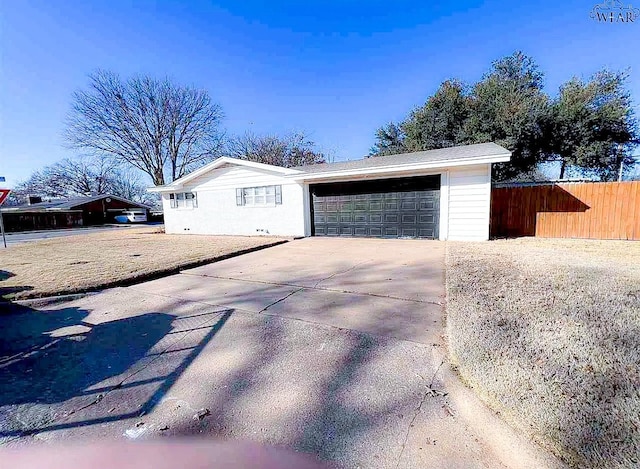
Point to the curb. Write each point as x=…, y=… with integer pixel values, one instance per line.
x=49, y=300
x=511, y=448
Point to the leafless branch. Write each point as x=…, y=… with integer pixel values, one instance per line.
x=153, y=125
x=288, y=151
x=84, y=176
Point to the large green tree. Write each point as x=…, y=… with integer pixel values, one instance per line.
x=509, y=107
x=589, y=127
x=441, y=121
x=592, y=126
x=389, y=141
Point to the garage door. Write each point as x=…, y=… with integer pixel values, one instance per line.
x=388, y=208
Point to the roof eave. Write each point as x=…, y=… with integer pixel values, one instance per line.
x=37, y=210
x=162, y=188
x=102, y=196
x=433, y=165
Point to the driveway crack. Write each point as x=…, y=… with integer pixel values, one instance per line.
x=314, y=287
x=280, y=300
x=415, y=416
x=436, y=373
x=429, y=392
x=339, y=273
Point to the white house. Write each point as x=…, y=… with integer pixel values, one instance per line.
x=437, y=194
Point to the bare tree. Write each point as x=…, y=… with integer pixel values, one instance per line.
x=288, y=151
x=80, y=176
x=156, y=126
x=15, y=198
x=126, y=183
x=83, y=176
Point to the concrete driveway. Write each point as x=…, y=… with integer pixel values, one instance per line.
x=327, y=346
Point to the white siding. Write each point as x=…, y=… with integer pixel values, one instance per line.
x=469, y=202
x=217, y=212
x=464, y=205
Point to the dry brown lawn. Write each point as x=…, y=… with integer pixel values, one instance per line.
x=548, y=334
x=92, y=261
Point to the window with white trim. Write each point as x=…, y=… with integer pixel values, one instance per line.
x=183, y=200
x=261, y=196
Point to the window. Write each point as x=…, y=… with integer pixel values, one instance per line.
x=259, y=196
x=183, y=200
x=190, y=200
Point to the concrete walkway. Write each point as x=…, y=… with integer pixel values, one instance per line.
x=326, y=346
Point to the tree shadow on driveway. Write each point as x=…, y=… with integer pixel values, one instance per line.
x=323, y=372
x=54, y=363
x=343, y=396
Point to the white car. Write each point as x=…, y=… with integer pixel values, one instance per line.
x=132, y=216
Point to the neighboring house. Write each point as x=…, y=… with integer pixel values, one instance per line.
x=66, y=213
x=436, y=194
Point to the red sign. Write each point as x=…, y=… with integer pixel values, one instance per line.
x=4, y=193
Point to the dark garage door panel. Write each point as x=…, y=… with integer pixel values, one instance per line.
x=394, y=208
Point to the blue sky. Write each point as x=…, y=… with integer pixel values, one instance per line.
x=336, y=70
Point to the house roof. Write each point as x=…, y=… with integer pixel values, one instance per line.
x=405, y=162
x=67, y=204
x=469, y=152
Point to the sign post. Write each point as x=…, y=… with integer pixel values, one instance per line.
x=4, y=239
x=4, y=193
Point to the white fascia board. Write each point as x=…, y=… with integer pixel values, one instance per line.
x=402, y=168
x=162, y=189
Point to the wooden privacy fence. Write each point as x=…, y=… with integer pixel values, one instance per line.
x=596, y=210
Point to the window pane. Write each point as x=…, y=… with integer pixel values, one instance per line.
x=181, y=196
x=278, y=194
x=262, y=195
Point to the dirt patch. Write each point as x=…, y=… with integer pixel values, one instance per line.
x=90, y=261
x=548, y=333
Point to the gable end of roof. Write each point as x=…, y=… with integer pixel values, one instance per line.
x=222, y=162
